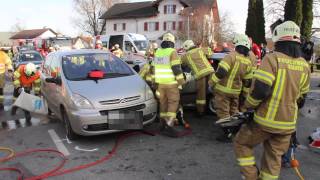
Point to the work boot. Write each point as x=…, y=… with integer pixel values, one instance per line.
x=169, y=131
x=162, y=124
x=14, y=110
x=224, y=138
x=27, y=115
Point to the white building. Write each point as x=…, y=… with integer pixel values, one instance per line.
x=154, y=18
x=32, y=35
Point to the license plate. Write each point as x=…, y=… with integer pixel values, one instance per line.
x=125, y=120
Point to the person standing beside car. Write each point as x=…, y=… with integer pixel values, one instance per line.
x=117, y=51
x=168, y=77
x=197, y=60
x=279, y=88
x=234, y=72
x=26, y=77
x=5, y=66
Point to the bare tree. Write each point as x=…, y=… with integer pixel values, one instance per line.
x=201, y=26
x=275, y=9
x=18, y=26
x=224, y=31
x=89, y=12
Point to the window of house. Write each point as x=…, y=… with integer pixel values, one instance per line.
x=151, y=26
x=119, y=27
x=169, y=26
x=115, y=27
x=170, y=9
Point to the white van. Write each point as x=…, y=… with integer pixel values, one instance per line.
x=133, y=45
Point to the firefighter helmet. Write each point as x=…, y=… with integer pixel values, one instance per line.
x=154, y=46
x=99, y=42
x=242, y=40
x=30, y=69
x=287, y=31
x=188, y=44
x=168, y=37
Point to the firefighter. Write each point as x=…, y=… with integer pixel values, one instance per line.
x=117, y=51
x=279, y=87
x=27, y=77
x=168, y=77
x=5, y=66
x=146, y=72
x=197, y=60
x=151, y=50
x=234, y=72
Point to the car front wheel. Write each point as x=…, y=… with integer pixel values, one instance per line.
x=69, y=131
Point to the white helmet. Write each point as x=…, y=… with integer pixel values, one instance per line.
x=188, y=44
x=287, y=31
x=98, y=42
x=117, y=46
x=30, y=69
x=57, y=47
x=154, y=45
x=168, y=37
x=242, y=40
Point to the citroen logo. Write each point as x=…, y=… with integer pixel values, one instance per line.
x=122, y=101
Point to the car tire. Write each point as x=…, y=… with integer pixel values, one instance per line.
x=71, y=135
x=210, y=105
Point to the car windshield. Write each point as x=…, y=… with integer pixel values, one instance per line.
x=77, y=67
x=30, y=57
x=141, y=45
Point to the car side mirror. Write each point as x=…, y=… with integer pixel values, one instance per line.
x=54, y=80
x=136, y=68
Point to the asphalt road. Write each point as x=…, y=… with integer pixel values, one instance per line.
x=196, y=157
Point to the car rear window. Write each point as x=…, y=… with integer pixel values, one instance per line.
x=77, y=67
x=30, y=57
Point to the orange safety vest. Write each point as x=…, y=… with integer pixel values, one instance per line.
x=27, y=81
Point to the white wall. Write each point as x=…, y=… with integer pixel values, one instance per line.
x=137, y=25
x=47, y=34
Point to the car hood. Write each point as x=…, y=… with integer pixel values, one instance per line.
x=111, y=93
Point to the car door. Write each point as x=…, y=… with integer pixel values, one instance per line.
x=55, y=89
x=45, y=87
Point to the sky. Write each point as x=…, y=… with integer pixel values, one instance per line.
x=58, y=14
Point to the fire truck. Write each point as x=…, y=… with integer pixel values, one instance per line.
x=43, y=45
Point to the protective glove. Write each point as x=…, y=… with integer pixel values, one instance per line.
x=181, y=82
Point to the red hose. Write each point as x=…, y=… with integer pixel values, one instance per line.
x=57, y=170
x=20, y=177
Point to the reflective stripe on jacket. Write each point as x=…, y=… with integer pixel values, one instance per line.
x=164, y=62
x=5, y=62
x=197, y=60
x=238, y=68
x=289, y=79
x=21, y=80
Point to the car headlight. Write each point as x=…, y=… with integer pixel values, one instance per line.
x=81, y=102
x=149, y=93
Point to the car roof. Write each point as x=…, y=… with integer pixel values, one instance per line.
x=79, y=51
x=29, y=52
x=218, y=55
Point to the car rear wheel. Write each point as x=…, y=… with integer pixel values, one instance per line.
x=69, y=131
x=210, y=105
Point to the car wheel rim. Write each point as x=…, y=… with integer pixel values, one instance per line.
x=66, y=125
x=211, y=106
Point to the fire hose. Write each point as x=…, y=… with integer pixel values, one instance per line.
x=9, y=156
x=295, y=165
x=58, y=171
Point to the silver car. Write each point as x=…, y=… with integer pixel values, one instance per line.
x=94, y=92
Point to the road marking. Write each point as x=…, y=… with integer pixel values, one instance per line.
x=57, y=141
x=87, y=150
